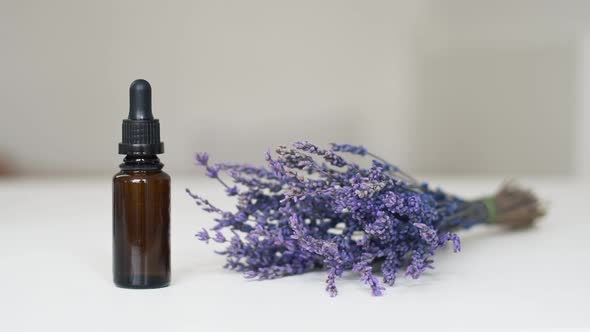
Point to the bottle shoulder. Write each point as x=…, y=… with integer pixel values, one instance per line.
x=130, y=175
x=165, y=176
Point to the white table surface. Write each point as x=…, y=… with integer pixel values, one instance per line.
x=55, y=255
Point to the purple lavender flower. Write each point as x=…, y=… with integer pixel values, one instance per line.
x=212, y=172
x=388, y=267
x=219, y=237
x=313, y=209
x=453, y=238
x=354, y=149
x=427, y=234
x=231, y=191
x=418, y=264
x=331, y=283
x=202, y=158
x=363, y=267
x=203, y=235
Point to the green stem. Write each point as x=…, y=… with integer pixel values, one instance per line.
x=490, y=203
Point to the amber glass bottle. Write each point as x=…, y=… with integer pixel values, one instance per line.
x=141, y=200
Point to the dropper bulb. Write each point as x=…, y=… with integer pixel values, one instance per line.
x=140, y=100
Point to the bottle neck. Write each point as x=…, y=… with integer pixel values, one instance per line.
x=134, y=162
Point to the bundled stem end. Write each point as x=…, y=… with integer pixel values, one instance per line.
x=515, y=207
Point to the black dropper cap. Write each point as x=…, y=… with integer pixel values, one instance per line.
x=141, y=132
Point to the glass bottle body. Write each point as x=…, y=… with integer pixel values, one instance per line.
x=141, y=224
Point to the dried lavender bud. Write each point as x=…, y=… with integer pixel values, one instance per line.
x=354, y=149
x=202, y=158
x=203, y=235
x=313, y=209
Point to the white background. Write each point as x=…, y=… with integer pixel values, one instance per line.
x=452, y=86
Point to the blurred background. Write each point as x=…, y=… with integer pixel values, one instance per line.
x=497, y=87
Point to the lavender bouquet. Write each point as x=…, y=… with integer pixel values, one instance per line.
x=313, y=209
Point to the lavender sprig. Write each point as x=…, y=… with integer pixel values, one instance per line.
x=311, y=208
